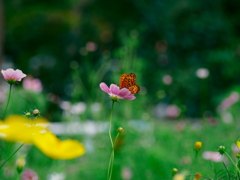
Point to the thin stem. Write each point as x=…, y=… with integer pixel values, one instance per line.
x=9, y=95
x=215, y=171
x=232, y=161
x=226, y=170
x=238, y=167
x=193, y=168
x=11, y=155
x=110, y=127
x=110, y=165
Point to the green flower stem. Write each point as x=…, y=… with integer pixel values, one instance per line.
x=214, y=169
x=110, y=165
x=226, y=170
x=9, y=95
x=11, y=155
x=194, y=164
x=232, y=161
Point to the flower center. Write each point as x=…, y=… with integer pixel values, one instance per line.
x=114, y=98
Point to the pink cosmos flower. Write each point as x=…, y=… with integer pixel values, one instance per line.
x=32, y=84
x=213, y=156
x=12, y=76
x=116, y=93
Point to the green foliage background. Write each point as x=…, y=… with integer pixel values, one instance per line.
x=47, y=40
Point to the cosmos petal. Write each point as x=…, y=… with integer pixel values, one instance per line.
x=114, y=89
x=104, y=87
x=124, y=92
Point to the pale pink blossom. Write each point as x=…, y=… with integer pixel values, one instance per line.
x=13, y=76
x=173, y=111
x=29, y=175
x=116, y=93
x=229, y=101
x=213, y=156
x=32, y=84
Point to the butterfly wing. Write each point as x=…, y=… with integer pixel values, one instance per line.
x=134, y=89
x=129, y=81
x=122, y=82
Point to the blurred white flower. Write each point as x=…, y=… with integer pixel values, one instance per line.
x=126, y=173
x=213, y=156
x=167, y=79
x=90, y=128
x=202, y=73
x=160, y=110
x=65, y=105
x=78, y=108
x=227, y=117
x=96, y=107
x=56, y=176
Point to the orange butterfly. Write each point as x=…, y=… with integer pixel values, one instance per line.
x=129, y=81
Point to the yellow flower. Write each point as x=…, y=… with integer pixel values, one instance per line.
x=20, y=163
x=20, y=129
x=50, y=145
x=198, y=145
x=174, y=171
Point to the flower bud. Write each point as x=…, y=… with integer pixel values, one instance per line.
x=198, y=145
x=198, y=176
x=238, y=155
x=20, y=163
x=28, y=114
x=121, y=130
x=222, y=149
x=36, y=112
x=174, y=171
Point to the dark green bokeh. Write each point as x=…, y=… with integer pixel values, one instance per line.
x=47, y=38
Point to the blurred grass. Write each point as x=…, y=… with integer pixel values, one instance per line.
x=148, y=154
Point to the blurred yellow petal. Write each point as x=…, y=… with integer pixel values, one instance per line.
x=20, y=120
x=20, y=129
x=50, y=145
x=238, y=144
